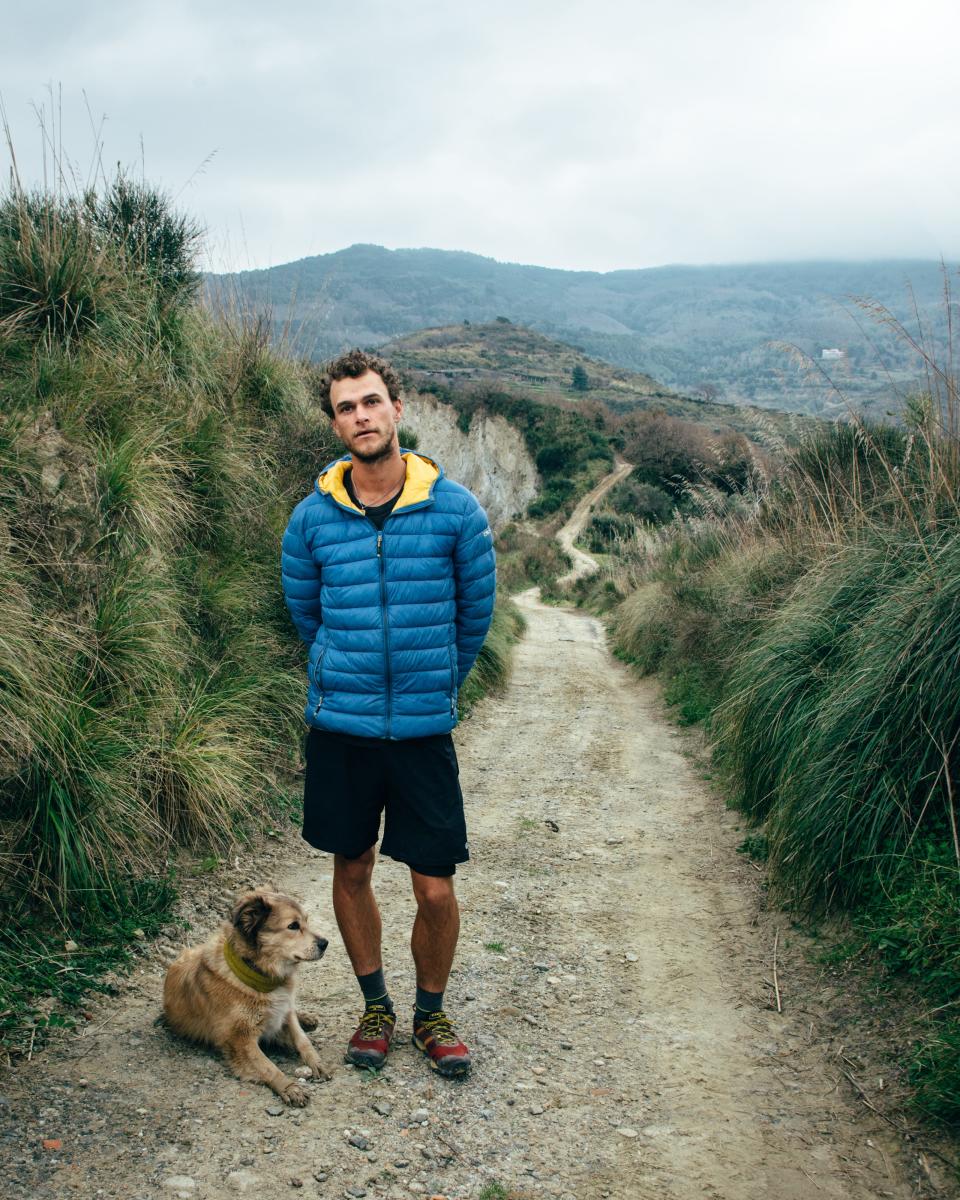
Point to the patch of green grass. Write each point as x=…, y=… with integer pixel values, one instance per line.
x=755, y=846
x=493, y=1191
x=493, y=947
x=43, y=985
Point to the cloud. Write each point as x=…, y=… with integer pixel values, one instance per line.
x=599, y=134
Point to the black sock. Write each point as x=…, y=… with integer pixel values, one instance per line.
x=374, y=988
x=428, y=1002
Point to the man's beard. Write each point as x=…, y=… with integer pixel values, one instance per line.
x=372, y=456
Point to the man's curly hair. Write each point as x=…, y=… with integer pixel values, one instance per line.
x=352, y=365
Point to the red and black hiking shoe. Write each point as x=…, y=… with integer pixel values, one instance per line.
x=369, y=1045
x=434, y=1035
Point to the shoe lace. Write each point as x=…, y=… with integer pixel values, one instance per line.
x=372, y=1021
x=441, y=1027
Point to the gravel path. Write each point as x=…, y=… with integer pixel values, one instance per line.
x=611, y=979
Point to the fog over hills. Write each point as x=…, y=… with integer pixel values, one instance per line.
x=753, y=333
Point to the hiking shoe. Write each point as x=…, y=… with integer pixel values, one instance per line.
x=434, y=1035
x=369, y=1045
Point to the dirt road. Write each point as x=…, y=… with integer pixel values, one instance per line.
x=611, y=977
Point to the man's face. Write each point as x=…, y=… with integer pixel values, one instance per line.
x=364, y=417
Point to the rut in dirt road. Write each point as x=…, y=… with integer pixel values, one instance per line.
x=609, y=979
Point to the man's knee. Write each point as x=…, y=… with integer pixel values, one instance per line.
x=353, y=874
x=434, y=892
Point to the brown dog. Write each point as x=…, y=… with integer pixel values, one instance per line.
x=237, y=989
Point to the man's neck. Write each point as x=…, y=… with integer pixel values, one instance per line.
x=380, y=479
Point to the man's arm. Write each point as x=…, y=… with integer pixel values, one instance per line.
x=476, y=581
x=301, y=578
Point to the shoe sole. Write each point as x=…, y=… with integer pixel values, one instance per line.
x=368, y=1061
x=449, y=1072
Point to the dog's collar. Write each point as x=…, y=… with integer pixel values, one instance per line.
x=247, y=974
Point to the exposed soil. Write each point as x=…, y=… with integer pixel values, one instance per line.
x=612, y=978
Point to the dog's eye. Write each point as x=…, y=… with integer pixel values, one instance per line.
x=294, y=925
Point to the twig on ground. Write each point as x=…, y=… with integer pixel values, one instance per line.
x=776, y=981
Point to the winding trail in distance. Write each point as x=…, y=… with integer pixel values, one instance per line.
x=583, y=563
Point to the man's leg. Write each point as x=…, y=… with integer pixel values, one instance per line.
x=435, y=930
x=356, y=910
x=358, y=918
x=433, y=942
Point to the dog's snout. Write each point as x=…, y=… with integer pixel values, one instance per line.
x=322, y=944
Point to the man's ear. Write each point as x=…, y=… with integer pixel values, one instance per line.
x=249, y=915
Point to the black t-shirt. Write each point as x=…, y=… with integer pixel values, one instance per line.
x=377, y=513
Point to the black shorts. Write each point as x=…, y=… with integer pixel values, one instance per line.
x=350, y=781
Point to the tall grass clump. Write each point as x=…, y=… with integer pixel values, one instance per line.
x=816, y=627
x=149, y=458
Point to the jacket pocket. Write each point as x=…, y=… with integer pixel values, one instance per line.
x=318, y=678
x=453, y=680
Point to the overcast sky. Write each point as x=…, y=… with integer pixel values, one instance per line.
x=590, y=134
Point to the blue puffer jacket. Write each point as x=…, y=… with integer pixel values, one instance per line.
x=394, y=620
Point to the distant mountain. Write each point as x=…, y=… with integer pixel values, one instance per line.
x=772, y=334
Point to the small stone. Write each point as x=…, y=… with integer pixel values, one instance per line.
x=624, y=1131
x=139, y=935
x=401, y=1163
x=539, y=1070
x=631, y=957
x=83, y=1083
x=536, y=1110
x=70, y=947
x=599, y=1062
x=469, y=996
x=320, y=1176
x=511, y=1101
x=303, y=1073
x=541, y=966
x=529, y=1019
x=356, y=1191
x=485, y=1114
x=274, y=1110
x=52, y=1144
x=510, y=1010
x=566, y=1045
x=358, y=1140
x=420, y=1114
x=244, y=1181
x=383, y=1108
x=296, y=1183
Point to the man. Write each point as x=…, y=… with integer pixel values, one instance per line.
x=388, y=572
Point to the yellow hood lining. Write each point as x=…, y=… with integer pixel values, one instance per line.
x=422, y=473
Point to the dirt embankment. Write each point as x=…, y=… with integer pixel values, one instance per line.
x=612, y=979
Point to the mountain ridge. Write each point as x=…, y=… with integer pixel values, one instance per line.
x=749, y=333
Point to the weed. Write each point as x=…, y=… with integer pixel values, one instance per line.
x=493, y=947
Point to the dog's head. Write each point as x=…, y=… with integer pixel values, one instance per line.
x=276, y=931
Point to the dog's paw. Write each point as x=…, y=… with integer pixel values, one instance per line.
x=295, y=1094
x=315, y=1067
x=308, y=1021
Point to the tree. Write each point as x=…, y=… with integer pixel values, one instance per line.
x=579, y=379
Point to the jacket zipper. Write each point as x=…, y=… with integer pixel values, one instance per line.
x=381, y=560
x=453, y=682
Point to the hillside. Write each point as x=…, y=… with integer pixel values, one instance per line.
x=726, y=329
x=518, y=358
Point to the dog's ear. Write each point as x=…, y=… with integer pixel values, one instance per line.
x=249, y=915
